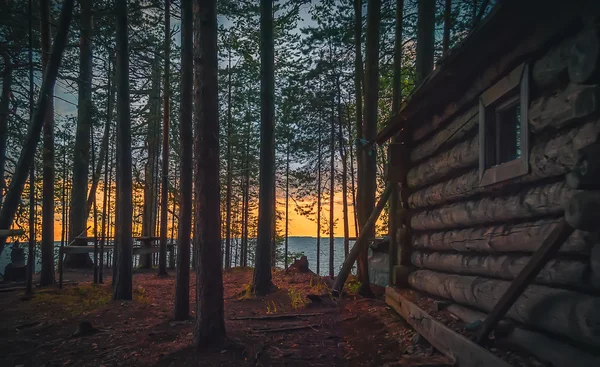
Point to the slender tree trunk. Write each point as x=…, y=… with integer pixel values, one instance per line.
x=151, y=169
x=123, y=284
x=81, y=157
x=4, y=111
x=362, y=215
x=425, y=38
x=210, y=321
x=369, y=169
x=27, y=155
x=393, y=220
x=447, y=25
x=47, y=274
x=319, y=152
x=287, y=199
x=172, y=257
x=331, y=188
x=343, y=157
x=262, y=270
x=94, y=212
x=164, y=198
x=274, y=229
x=31, y=247
x=352, y=181
x=229, y=173
x=246, y=195
x=182, y=290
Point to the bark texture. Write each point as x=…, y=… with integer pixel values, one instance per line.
x=182, y=287
x=123, y=279
x=210, y=324
x=262, y=271
x=81, y=154
x=47, y=273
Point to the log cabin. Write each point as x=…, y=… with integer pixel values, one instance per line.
x=496, y=149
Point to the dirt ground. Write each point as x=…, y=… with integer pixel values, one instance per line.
x=46, y=330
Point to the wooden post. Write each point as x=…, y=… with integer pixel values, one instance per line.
x=362, y=241
x=539, y=259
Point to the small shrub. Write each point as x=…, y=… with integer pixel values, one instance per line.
x=352, y=287
x=247, y=292
x=297, y=299
x=271, y=307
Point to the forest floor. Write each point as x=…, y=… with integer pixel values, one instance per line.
x=48, y=329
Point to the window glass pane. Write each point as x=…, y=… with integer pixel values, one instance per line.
x=508, y=120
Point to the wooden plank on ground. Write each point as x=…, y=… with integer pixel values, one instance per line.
x=462, y=350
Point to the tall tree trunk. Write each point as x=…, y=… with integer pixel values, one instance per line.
x=368, y=171
x=182, y=290
x=425, y=38
x=31, y=247
x=393, y=220
x=164, y=193
x=331, y=187
x=352, y=181
x=81, y=156
x=229, y=173
x=262, y=270
x=319, y=152
x=210, y=321
x=94, y=212
x=4, y=111
x=151, y=169
x=362, y=262
x=47, y=274
x=447, y=25
x=287, y=199
x=246, y=195
x=123, y=286
x=343, y=157
x=27, y=155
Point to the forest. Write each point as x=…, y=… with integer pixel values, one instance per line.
x=176, y=139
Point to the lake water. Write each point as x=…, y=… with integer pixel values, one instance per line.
x=305, y=245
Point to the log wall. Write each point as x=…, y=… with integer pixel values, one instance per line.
x=469, y=241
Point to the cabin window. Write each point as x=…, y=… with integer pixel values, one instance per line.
x=503, y=131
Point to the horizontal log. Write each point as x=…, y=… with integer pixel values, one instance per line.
x=551, y=157
x=456, y=131
x=558, y=311
x=539, y=201
x=551, y=69
x=584, y=63
x=564, y=106
x=547, y=349
x=557, y=272
x=462, y=155
x=582, y=211
x=506, y=237
x=587, y=174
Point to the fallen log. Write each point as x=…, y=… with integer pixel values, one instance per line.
x=522, y=237
x=544, y=347
x=551, y=157
x=290, y=328
x=539, y=201
x=278, y=316
x=582, y=211
x=558, y=272
x=557, y=311
x=565, y=106
x=455, y=131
